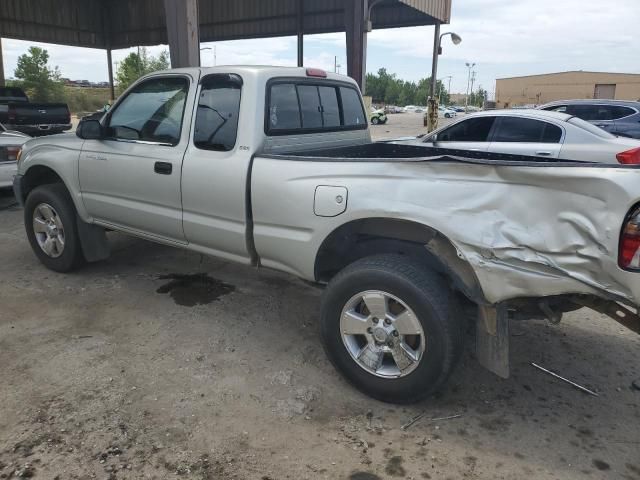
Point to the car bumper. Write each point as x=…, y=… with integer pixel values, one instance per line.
x=18, y=189
x=40, y=129
x=7, y=171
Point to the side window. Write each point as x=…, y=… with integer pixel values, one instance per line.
x=557, y=108
x=152, y=111
x=618, y=111
x=471, y=130
x=284, y=111
x=216, y=125
x=352, y=107
x=587, y=112
x=526, y=130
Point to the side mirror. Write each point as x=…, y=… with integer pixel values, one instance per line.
x=433, y=138
x=90, y=130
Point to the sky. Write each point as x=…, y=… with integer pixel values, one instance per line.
x=502, y=37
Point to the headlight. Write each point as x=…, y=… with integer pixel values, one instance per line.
x=13, y=154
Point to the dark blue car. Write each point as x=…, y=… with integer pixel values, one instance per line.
x=619, y=117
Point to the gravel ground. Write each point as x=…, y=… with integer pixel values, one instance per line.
x=403, y=125
x=161, y=363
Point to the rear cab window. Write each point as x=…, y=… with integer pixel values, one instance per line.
x=298, y=106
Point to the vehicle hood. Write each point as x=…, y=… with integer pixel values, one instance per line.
x=12, y=135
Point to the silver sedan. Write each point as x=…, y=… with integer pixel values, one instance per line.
x=10, y=144
x=535, y=133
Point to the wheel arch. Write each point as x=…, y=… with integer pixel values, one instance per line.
x=370, y=236
x=37, y=175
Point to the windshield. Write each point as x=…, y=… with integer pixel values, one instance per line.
x=589, y=127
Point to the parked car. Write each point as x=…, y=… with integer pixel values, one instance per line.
x=457, y=109
x=10, y=144
x=378, y=117
x=618, y=117
x=410, y=108
x=445, y=112
x=393, y=109
x=19, y=114
x=533, y=132
x=405, y=238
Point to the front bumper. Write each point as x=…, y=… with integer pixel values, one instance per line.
x=40, y=129
x=18, y=190
x=7, y=171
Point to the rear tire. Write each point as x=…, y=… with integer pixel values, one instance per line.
x=49, y=208
x=423, y=293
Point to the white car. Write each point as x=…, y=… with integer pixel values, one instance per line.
x=444, y=112
x=533, y=132
x=10, y=143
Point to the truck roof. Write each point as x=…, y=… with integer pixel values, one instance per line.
x=262, y=71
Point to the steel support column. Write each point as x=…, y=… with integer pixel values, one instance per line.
x=431, y=120
x=1, y=65
x=112, y=90
x=300, y=33
x=355, y=14
x=183, y=32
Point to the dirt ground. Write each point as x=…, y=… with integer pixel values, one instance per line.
x=160, y=363
x=403, y=125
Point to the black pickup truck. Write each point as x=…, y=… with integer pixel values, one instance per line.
x=18, y=113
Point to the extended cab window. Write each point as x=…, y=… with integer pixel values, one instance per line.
x=471, y=130
x=307, y=107
x=216, y=125
x=526, y=130
x=151, y=112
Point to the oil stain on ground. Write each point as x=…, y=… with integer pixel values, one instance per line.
x=195, y=289
x=363, y=476
x=394, y=467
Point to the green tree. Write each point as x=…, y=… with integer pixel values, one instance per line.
x=137, y=65
x=478, y=98
x=385, y=87
x=41, y=82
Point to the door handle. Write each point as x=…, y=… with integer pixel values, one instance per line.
x=96, y=157
x=544, y=153
x=163, y=168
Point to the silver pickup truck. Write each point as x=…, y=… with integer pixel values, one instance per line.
x=274, y=167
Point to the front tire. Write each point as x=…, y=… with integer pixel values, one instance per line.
x=390, y=327
x=375, y=121
x=50, y=222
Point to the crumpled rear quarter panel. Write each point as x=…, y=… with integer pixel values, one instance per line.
x=528, y=231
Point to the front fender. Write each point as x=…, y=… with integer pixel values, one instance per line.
x=59, y=154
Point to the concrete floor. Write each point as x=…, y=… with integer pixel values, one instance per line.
x=104, y=376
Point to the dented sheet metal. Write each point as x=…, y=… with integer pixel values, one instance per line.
x=527, y=231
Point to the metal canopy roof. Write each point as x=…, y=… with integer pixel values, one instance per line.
x=125, y=23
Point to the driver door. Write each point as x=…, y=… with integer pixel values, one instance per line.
x=131, y=179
